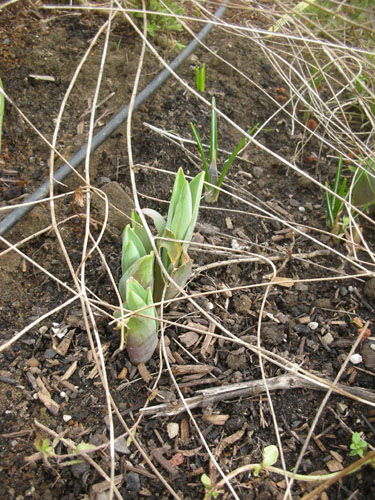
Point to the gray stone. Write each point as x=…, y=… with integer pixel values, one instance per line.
x=242, y=304
x=133, y=483
x=121, y=447
x=236, y=361
x=79, y=469
x=369, y=290
x=120, y=212
x=368, y=355
x=272, y=334
x=258, y=172
x=49, y=354
x=323, y=303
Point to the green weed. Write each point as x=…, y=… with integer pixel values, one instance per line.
x=158, y=22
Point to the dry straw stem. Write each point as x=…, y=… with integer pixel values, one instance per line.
x=229, y=392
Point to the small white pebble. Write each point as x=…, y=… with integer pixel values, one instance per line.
x=66, y=418
x=62, y=394
x=173, y=429
x=235, y=244
x=313, y=325
x=210, y=306
x=302, y=209
x=328, y=338
x=356, y=359
x=61, y=333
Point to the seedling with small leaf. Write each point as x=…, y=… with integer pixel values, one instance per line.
x=143, y=282
x=45, y=448
x=210, y=167
x=358, y=445
x=210, y=492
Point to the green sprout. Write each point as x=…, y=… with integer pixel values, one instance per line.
x=44, y=446
x=210, y=492
x=200, y=77
x=335, y=205
x=143, y=282
x=46, y=449
x=358, y=445
x=210, y=168
x=1, y=110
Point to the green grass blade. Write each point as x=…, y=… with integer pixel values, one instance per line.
x=213, y=137
x=201, y=151
x=229, y=162
x=335, y=203
x=331, y=219
x=338, y=175
x=203, y=78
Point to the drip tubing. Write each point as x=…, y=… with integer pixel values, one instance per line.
x=14, y=217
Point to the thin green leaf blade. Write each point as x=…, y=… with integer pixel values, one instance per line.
x=213, y=136
x=230, y=160
x=201, y=150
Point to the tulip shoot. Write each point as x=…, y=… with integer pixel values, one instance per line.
x=143, y=281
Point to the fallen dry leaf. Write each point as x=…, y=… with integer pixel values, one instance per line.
x=177, y=460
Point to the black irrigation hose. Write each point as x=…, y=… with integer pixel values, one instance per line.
x=43, y=191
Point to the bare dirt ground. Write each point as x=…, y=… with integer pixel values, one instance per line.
x=308, y=321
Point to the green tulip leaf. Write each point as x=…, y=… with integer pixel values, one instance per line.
x=140, y=231
x=158, y=219
x=135, y=295
x=179, y=182
x=173, y=248
x=129, y=256
x=196, y=186
x=132, y=248
x=182, y=215
x=142, y=270
x=180, y=276
x=130, y=235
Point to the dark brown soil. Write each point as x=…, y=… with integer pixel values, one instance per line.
x=296, y=320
